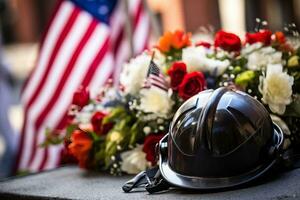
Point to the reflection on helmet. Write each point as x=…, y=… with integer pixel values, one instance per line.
x=219, y=139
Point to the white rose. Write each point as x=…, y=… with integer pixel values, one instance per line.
x=216, y=67
x=157, y=101
x=262, y=57
x=276, y=88
x=134, y=161
x=134, y=72
x=196, y=60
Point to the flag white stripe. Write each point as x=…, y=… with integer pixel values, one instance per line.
x=133, y=5
x=117, y=21
x=47, y=48
x=72, y=83
x=63, y=56
x=104, y=70
x=141, y=33
x=122, y=54
x=53, y=156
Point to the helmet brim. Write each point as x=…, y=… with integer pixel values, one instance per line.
x=203, y=183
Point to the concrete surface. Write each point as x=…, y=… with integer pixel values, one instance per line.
x=73, y=183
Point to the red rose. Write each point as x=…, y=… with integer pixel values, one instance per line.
x=81, y=97
x=149, y=146
x=263, y=36
x=98, y=127
x=227, y=41
x=204, y=44
x=192, y=84
x=177, y=72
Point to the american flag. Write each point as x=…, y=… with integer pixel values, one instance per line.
x=84, y=44
x=155, y=78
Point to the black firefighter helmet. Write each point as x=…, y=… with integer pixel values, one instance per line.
x=217, y=139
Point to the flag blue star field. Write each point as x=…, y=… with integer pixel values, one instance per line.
x=83, y=46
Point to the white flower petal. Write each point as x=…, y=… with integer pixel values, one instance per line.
x=276, y=88
x=134, y=161
x=157, y=101
x=196, y=60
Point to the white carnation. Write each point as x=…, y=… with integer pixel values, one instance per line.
x=260, y=58
x=157, y=101
x=196, y=60
x=135, y=71
x=276, y=88
x=134, y=161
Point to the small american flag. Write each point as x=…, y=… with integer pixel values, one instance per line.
x=155, y=78
x=85, y=44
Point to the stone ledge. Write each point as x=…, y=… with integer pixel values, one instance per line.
x=73, y=183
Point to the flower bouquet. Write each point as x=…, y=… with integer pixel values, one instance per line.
x=117, y=131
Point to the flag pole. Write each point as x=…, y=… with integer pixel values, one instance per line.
x=128, y=27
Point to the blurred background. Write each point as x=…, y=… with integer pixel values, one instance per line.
x=22, y=23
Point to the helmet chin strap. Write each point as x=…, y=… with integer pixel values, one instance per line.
x=205, y=122
x=150, y=179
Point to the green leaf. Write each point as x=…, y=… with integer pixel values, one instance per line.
x=70, y=129
x=115, y=115
x=94, y=136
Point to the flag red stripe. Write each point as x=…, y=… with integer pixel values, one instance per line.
x=159, y=78
x=159, y=86
x=118, y=41
x=137, y=15
x=61, y=84
x=87, y=79
x=45, y=157
x=158, y=83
